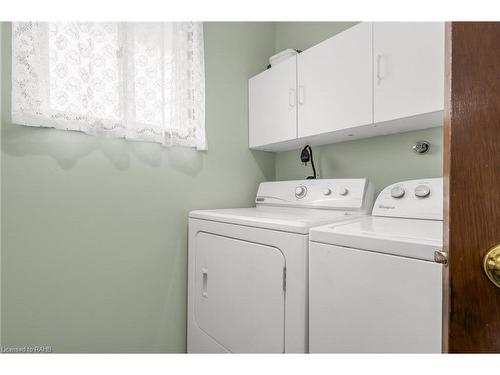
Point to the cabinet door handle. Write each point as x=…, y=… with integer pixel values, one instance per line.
x=302, y=95
x=291, y=97
x=204, y=282
x=380, y=75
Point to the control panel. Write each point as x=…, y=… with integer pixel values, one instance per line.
x=418, y=199
x=354, y=194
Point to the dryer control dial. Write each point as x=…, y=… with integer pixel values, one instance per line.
x=300, y=191
x=327, y=191
x=422, y=191
x=397, y=192
x=343, y=191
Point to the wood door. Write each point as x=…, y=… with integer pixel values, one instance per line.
x=334, y=79
x=408, y=69
x=272, y=109
x=472, y=185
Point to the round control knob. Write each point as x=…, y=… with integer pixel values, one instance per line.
x=343, y=191
x=397, y=192
x=300, y=191
x=327, y=191
x=422, y=191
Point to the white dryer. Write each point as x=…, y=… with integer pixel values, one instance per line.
x=376, y=282
x=247, y=267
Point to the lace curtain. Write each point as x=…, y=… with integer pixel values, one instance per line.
x=140, y=81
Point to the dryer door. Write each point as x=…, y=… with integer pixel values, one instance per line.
x=239, y=289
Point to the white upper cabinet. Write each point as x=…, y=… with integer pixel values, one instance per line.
x=408, y=75
x=272, y=105
x=335, y=83
x=371, y=79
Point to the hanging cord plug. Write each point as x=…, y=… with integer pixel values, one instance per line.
x=306, y=155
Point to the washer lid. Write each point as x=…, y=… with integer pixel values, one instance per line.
x=413, y=238
x=295, y=220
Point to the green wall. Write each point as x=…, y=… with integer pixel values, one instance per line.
x=94, y=233
x=383, y=160
x=302, y=35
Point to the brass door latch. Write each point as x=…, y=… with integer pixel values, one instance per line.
x=440, y=257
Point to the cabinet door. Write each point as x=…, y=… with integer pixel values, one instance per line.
x=272, y=105
x=409, y=69
x=335, y=83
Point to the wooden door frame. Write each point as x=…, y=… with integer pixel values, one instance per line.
x=471, y=309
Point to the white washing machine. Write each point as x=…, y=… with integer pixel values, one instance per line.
x=247, y=267
x=376, y=282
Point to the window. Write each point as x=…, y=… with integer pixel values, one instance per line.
x=139, y=81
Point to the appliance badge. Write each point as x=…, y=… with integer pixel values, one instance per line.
x=386, y=207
